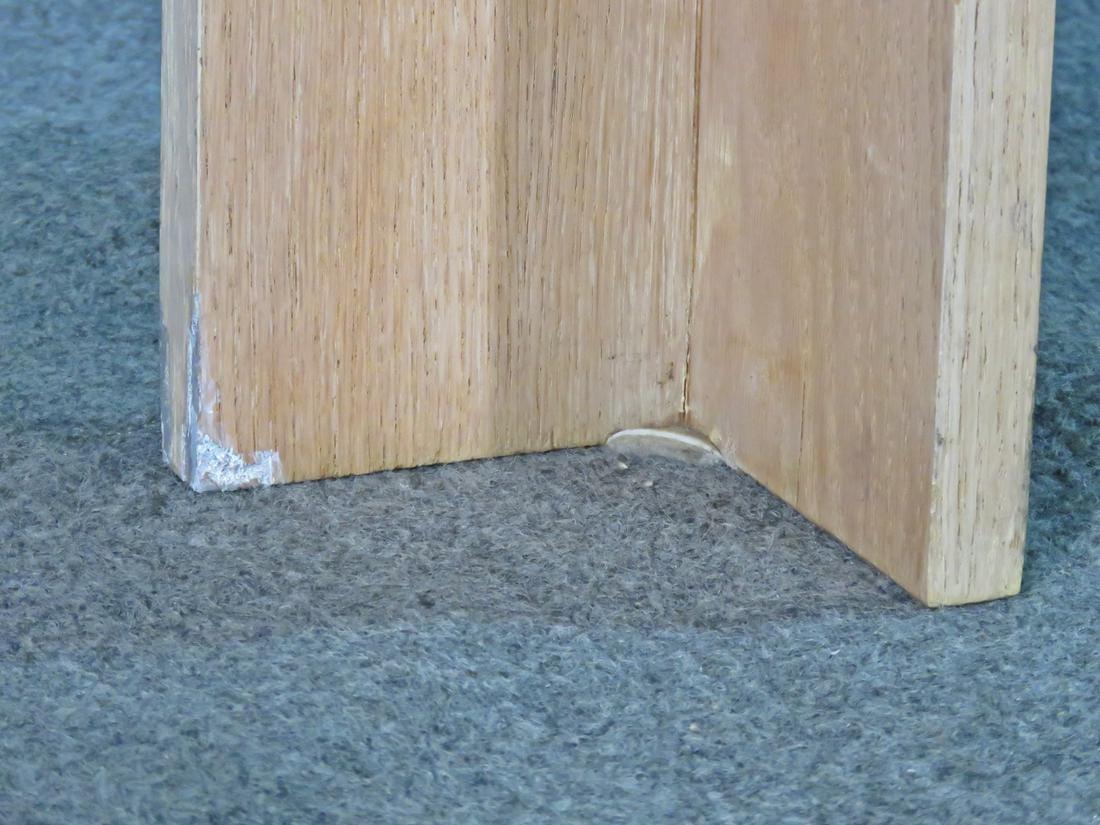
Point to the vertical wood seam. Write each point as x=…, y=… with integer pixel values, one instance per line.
x=693, y=264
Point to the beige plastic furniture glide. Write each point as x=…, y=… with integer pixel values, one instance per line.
x=399, y=232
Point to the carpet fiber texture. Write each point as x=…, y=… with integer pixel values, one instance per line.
x=555, y=638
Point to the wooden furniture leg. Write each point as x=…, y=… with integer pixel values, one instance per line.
x=400, y=232
x=426, y=231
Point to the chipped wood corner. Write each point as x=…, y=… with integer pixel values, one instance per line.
x=413, y=239
x=213, y=463
x=205, y=458
x=194, y=443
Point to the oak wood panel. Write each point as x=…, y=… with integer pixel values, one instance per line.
x=822, y=147
x=435, y=231
x=861, y=324
x=996, y=198
x=398, y=232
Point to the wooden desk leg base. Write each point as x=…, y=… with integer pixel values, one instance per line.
x=401, y=233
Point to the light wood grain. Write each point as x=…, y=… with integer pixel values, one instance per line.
x=996, y=186
x=399, y=232
x=436, y=231
x=863, y=317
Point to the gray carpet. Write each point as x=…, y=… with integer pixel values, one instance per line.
x=540, y=639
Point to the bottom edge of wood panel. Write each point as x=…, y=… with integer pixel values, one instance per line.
x=211, y=467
